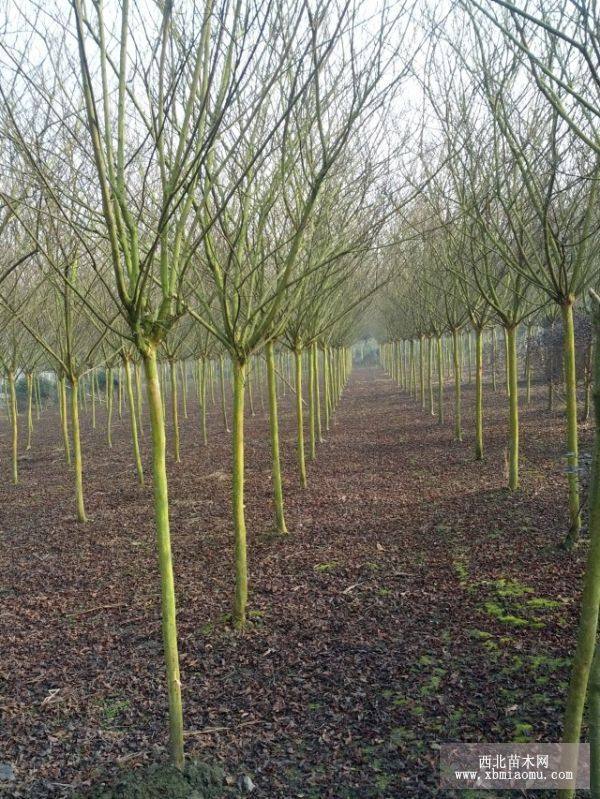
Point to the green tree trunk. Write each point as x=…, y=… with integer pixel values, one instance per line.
x=239, y=521
x=38, y=399
x=109, y=406
x=174, y=410
x=262, y=382
x=430, y=375
x=29, y=409
x=590, y=597
x=282, y=368
x=140, y=405
x=162, y=382
x=14, y=418
x=397, y=353
x=274, y=427
x=494, y=357
x=422, y=372
x=311, y=405
x=470, y=356
x=120, y=393
x=93, y=381
x=77, y=457
x=163, y=538
x=332, y=380
x=211, y=375
x=317, y=393
x=572, y=432
x=62, y=394
x=223, y=404
x=594, y=716
x=588, y=382
x=203, y=367
x=457, y=386
x=332, y=383
x=513, y=397
x=528, y=367
x=300, y=417
x=399, y=348
x=183, y=367
x=506, y=361
x=440, y=371
x=133, y=422
x=250, y=393
x=478, y=394
x=326, y=386
x=198, y=383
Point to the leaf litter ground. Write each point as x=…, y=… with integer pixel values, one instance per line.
x=414, y=602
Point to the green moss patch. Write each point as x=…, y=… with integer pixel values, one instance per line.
x=197, y=781
x=509, y=603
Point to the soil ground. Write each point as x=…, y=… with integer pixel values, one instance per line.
x=416, y=601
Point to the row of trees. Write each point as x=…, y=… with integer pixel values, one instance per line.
x=505, y=235
x=189, y=368
x=539, y=351
x=211, y=184
x=51, y=332
x=187, y=184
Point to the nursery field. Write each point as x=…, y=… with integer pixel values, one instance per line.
x=415, y=601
